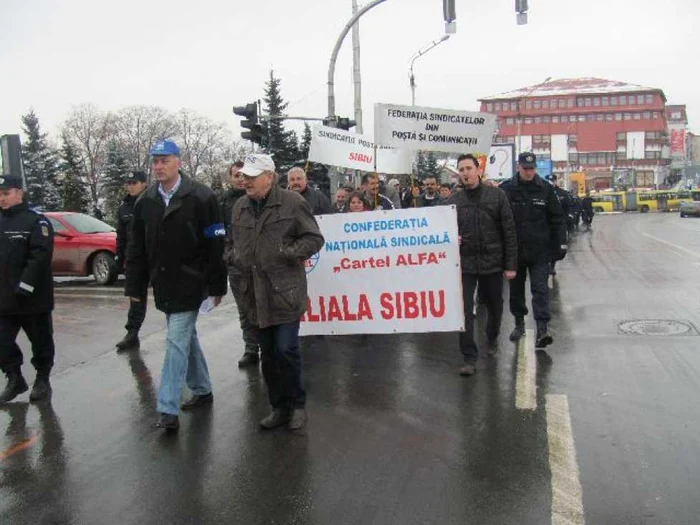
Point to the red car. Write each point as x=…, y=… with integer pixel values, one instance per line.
x=83, y=245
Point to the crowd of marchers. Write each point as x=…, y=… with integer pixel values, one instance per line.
x=177, y=238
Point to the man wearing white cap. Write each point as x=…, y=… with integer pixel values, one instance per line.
x=274, y=232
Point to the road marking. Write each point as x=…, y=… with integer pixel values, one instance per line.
x=88, y=296
x=19, y=447
x=567, y=500
x=525, y=384
x=681, y=248
x=86, y=289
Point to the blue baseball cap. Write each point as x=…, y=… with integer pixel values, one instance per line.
x=164, y=147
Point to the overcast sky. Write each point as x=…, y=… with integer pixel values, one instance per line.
x=209, y=55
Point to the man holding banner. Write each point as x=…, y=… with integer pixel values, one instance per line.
x=488, y=250
x=275, y=233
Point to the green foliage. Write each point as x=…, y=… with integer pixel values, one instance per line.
x=74, y=191
x=283, y=145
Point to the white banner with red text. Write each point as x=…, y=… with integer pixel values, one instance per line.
x=337, y=147
x=386, y=271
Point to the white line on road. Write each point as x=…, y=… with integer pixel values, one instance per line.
x=525, y=381
x=59, y=295
x=680, y=248
x=567, y=499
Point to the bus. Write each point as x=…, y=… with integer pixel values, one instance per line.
x=609, y=201
x=663, y=200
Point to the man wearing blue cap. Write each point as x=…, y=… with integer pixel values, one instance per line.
x=26, y=291
x=176, y=244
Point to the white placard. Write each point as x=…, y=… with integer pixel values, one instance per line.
x=387, y=271
x=338, y=147
x=430, y=129
x=499, y=164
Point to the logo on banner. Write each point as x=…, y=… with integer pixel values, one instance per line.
x=311, y=263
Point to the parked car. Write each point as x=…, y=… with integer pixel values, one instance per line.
x=688, y=208
x=83, y=245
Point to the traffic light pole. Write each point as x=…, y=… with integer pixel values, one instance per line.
x=336, y=50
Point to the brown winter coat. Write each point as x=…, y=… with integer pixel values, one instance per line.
x=270, y=251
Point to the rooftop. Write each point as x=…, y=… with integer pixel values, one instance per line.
x=573, y=86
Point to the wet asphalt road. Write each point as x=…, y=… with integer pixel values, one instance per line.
x=394, y=435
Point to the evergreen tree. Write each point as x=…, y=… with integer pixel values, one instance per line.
x=421, y=171
x=113, y=180
x=74, y=191
x=283, y=145
x=41, y=166
x=431, y=165
x=305, y=142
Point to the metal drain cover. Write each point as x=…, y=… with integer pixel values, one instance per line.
x=657, y=327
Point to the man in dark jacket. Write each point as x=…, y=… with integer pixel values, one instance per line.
x=564, y=198
x=26, y=291
x=430, y=196
x=377, y=201
x=318, y=202
x=135, y=184
x=488, y=250
x=250, y=331
x=176, y=244
x=341, y=200
x=541, y=233
x=274, y=232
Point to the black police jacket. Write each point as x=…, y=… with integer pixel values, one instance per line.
x=485, y=223
x=124, y=216
x=178, y=250
x=26, y=249
x=539, y=220
x=318, y=202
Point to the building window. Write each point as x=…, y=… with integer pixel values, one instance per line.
x=599, y=117
x=609, y=117
x=613, y=101
x=589, y=102
x=570, y=103
x=596, y=102
x=649, y=99
x=572, y=140
x=631, y=100
x=545, y=104
x=621, y=136
x=545, y=119
x=618, y=116
x=510, y=121
x=562, y=103
x=582, y=118
x=627, y=116
x=573, y=157
x=528, y=120
x=640, y=99
x=605, y=102
x=572, y=118
x=623, y=100
x=621, y=155
x=579, y=102
x=497, y=107
x=538, y=120
x=652, y=154
x=654, y=115
x=637, y=116
x=646, y=115
x=528, y=104
x=555, y=119
x=489, y=107
x=653, y=135
x=536, y=104
x=514, y=106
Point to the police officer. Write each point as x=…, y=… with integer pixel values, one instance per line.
x=564, y=198
x=541, y=231
x=135, y=184
x=26, y=291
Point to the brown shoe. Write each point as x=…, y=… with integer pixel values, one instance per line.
x=467, y=370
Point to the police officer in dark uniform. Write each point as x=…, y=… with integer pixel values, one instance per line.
x=26, y=291
x=135, y=184
x=564, y=198
x=541, y=231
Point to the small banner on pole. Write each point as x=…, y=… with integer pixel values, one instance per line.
x=383, y=272
x=338, y=147
x=430, y=129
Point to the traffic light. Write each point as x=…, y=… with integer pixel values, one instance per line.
x=251, y=122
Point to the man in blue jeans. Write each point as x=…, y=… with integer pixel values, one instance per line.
x=273, y=232
x=176, y=244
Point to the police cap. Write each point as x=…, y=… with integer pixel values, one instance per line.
x=527, y=160
x=10, y=181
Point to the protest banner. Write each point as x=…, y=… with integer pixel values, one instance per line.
x=337, y=147
x=430, y=129
x=388, y=271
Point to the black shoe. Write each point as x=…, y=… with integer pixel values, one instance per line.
x=16, y=385
x=543, y=338
x=168, y=421
x=298, y=419
x=248, y=359
x=492, y=348
x=130, y=341
x=518, y=331
x=41, y=388
x=276, y=418
x=198, y=401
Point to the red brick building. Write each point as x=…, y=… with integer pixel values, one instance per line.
x=609, y=130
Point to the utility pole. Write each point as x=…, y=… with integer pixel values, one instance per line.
x=419, y=54
x=357, y=78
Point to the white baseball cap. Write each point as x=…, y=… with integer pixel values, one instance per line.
x=256, y=164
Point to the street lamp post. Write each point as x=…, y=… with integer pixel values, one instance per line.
x=520, y=103
x=417, y=55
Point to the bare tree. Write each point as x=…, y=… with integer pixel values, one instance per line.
x=89, y=129
x=138, y=127
x=201, y=141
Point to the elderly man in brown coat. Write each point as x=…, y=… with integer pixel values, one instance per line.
x=274, y=232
